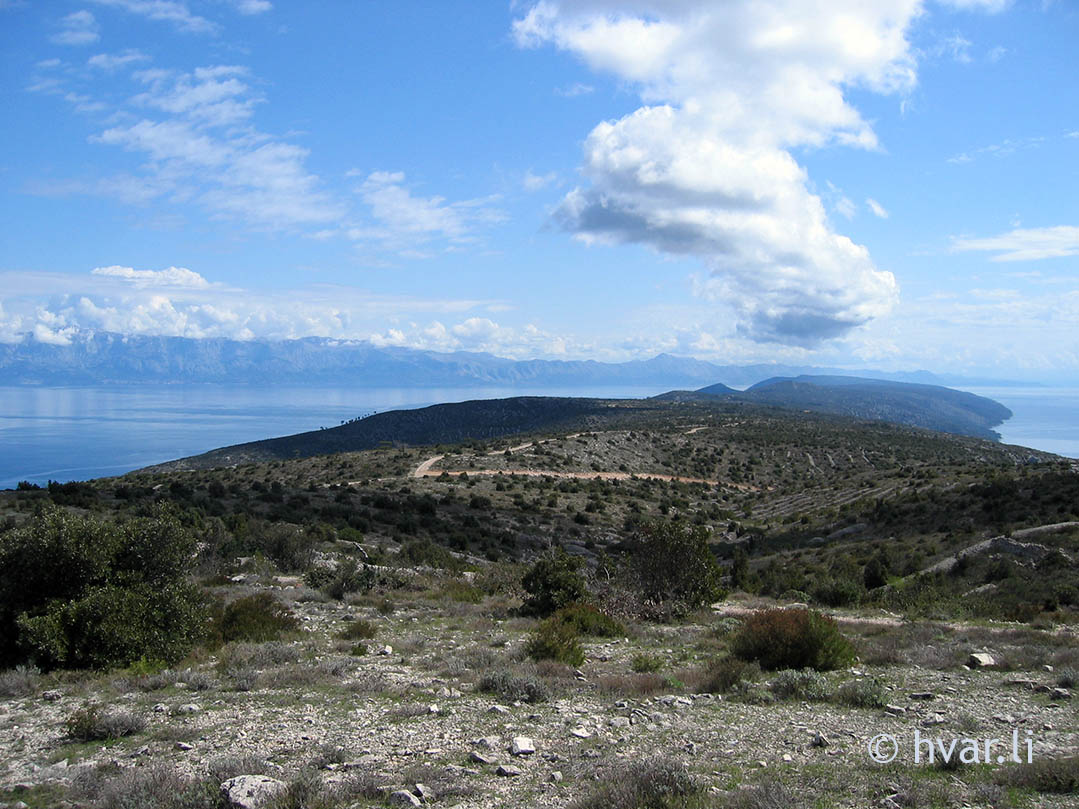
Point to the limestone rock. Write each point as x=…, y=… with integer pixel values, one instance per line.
x=251, y=791
x=522, y=746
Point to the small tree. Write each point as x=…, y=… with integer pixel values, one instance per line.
x=553, y=582
x=671, y=565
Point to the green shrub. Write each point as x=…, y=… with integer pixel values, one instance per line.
x=513, y=687
x=656, y=784
x=554, y=640
x=725, y=673
x=80, y=592
x=792, y=639
x=552, y=583
x=672, y=567
x=861, y=693
x=94, y=723
x=257, y=618
x=587, y=620
x=806, y=684
x=358, y=629
x=644, y=663
x=1050, y=775
x=349, y=577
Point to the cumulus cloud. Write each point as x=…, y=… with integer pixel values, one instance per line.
x=169, y=277
x=1026, y=244
x=77, y=28
x=705, y=168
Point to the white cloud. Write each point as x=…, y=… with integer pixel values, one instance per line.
x=876, y=208
x=215, y=96
x=845, y=207
x=534, y=182
x=991, y=6
x=252, y=6
x=169, y=277
x=575, y=90
x=78, y=28
x=403, y=221
x=1026, y=244
x=114, y=61
x=705, y=169
x=171, y=11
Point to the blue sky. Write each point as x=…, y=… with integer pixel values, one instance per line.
x=861, y=183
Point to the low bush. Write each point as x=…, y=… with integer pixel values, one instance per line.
x=861, y=693
x=806, y=684
x=20, y=681
x=94, y=723
x=358, y=629
x=552, y=583
x=588, y=620
x=657, y=784
x=644, y=663
x=1049, y=775
x=725, y=673
x=792, y=639
x=349, y=577
x=513, y=687
x=672, y=569
x=554, y=640
x=257, y=618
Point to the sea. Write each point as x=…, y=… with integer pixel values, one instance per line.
x=78, y=433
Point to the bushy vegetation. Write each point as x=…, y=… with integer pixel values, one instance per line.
x=588, y=620
x=671, y=567
x=806, y=684
x=553, y=582
x=656, y=784
x=82, y=592
x=792, y=639
x=256, y=618
x=514, y=687
x=95, y=723
x=555, y=640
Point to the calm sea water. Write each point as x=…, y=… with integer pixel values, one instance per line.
x=79, y=433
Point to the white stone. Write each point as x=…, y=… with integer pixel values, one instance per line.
x=522, y=746
x=403, y=797
x=251, y=791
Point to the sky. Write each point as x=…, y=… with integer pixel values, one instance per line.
x=883, y=184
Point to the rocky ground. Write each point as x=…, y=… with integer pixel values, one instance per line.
x=409, y=716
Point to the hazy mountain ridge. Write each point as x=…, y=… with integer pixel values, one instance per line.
x=109, y=358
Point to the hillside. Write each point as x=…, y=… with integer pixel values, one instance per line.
x=930, y=406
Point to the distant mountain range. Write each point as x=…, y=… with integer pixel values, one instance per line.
x=930, y=406
x=102, y=358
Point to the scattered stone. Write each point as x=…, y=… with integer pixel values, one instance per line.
x=403, y=797
x=507, y=770
x=1061, y=693
x=981, y=660
x=924, y=696
x=479, y=758
x=142, y=751
x=161, y=707
x=433, y=709
x=522, y=746
x=184, y=746
x=51, y=696
x=251, y=791
x=819, y=740
x=500, y=709
x=556, y=776
x=385, y=650
x=424, y=791
x=187, y=708
x=619, y=722
x=787, y=757
x=581, y=733
x=934, y=719
x=1021, y=682
x=895, y=710
x=486, y=742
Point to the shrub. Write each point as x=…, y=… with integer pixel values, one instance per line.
x=671, y=565
x=359, y=629
x=20, y=681
x=349, y=577
x=554, y=640
x=861, y=693
x=724, y=673
x=93, y=723
x=644, y=663
x=1068, y=678
x=657, y=784
x=1054, y=775
x=257, y=618
x=587, y=620
x=513, y=687
x=78, y=592
x=553, y=582
x=806, y=684
x=792, y=639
